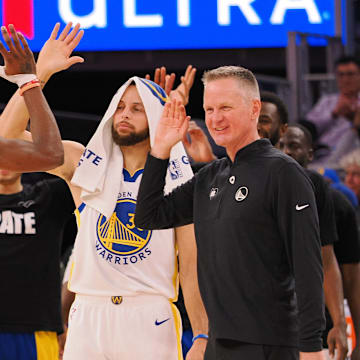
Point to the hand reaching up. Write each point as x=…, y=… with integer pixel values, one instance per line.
x=19, y=59
x=164, y=80
x=171, y=129
x=198, y=148
x=55, y=55
x=182, y=92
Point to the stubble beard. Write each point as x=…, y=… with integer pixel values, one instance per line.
x=131, y=139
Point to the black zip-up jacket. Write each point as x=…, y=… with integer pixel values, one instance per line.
x=259, y=257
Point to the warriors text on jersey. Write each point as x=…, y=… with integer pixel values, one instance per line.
x=114, y=257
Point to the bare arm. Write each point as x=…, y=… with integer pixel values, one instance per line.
x=54, y=57
x=334, y=300
x=351, y=281
x=46, y=151
x=186, y=243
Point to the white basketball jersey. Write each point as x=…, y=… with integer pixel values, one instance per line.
x=113, y=257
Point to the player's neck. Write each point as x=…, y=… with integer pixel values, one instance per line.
x=11, y=188
x=135, y=156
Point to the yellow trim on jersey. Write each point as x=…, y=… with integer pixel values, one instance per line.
x=77, y=215
x=70, y=275
x=178, y=326
x=132, y=174
x=175, y=277
x=47, y=347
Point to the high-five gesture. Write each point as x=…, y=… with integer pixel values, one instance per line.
x=171, y=129
x=19, y=59
x=164, y=80
x=182, y=92
x=56, y=52
x=46, y=151
x=198, y=148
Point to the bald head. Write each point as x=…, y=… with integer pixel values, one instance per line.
x=296, y=143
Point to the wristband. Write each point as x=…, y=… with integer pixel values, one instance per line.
x=19, y=79
x=29, y=85
x=200, y=336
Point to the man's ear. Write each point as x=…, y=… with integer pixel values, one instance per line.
x=256, y=109
x=311, y=155
x=283, y=128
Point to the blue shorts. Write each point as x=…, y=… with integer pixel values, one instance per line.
x=40, y=345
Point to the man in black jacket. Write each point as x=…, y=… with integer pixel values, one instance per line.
x=256, y=226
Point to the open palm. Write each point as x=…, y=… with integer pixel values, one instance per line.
x=56, y=52
x=171, y=128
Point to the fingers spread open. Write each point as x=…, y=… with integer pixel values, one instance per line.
x=25, y=44
x=162, y=77
x=77, y=39
x=166, y=111
x=70, y=37
x=7, y=39
x=3, y=50
x=169, y=83
x=157, y=76
x=55, y=31
x=15, y=39
x=65, y=31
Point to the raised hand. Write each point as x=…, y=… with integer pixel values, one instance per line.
x=171, y=129
x=55, y=55
x=182, y=92
x=163, y=79
x=19, y=59
x=198, y=148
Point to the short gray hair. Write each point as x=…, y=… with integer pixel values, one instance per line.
x=245, y=76
x=352, y=158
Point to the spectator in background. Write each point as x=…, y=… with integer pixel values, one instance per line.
x=334, y=114
x=351, y=165
x=334, y=180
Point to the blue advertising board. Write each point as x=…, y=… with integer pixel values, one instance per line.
x=172, y=24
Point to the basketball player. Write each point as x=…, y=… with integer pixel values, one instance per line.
x=32, y=220
x=122, y=309
x=46, y=151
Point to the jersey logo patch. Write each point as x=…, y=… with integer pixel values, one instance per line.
x=175, y=169
x=242, y=193
x=301, y=207
x=119, y=235
x=157, y=323
x=26, y=204
x=213, y=192
x=116, y=300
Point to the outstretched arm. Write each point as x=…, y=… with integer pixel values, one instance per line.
x=54, y=57
x=46, y=151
